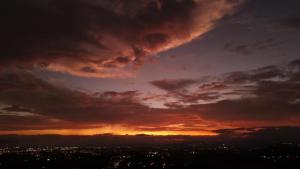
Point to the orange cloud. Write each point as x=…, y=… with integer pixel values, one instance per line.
x=101, y=38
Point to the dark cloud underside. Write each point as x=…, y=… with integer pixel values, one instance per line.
x=99, y=37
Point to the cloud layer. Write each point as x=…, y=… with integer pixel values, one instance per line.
x=269, y=93
x=267, y=96
x=100, y=38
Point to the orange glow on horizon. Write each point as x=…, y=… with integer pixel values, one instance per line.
x=95, y=131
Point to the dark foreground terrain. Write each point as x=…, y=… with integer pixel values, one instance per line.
x=280, y=156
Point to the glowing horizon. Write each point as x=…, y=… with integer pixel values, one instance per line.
x=90, y=132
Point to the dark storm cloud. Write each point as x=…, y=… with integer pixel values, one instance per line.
x=222, y=82
x=179, y=89
x=274, y=96
x=127, y=94
x=99, y=37
x=267, y=93
x=260, y=74
x=215, y=88
x=173, y=84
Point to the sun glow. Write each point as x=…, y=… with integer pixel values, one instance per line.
x=95, y=131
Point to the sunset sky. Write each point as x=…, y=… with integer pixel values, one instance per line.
x=157, y=67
